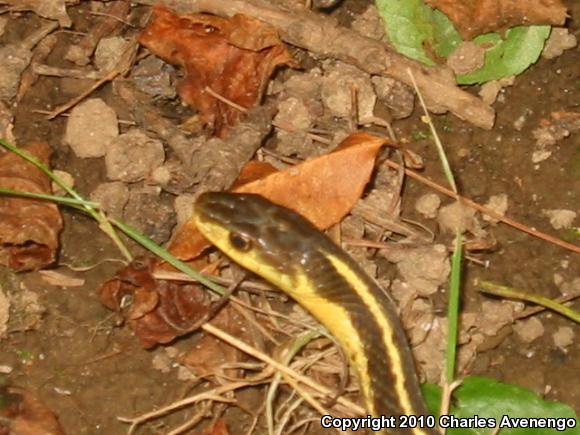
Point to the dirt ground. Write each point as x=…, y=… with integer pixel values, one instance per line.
x=90, y=371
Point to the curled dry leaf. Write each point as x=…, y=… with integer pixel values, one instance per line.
x=323, y=189
x=474, y=18
x=23, y=414
x=159, y=310
x=29, y=228
x=234, y=57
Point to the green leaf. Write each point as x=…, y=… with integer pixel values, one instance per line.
x=520, y=49
x=415, y=29
x=488, y=398
x=423, y=33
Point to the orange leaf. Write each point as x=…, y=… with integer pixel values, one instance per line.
x=219, y=428
x=323, y=189
x=234, y=57
x=160, y=310
x=21, y=413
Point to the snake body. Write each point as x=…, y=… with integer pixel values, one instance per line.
x=286, y=249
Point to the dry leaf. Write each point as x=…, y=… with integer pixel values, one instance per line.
x=323, y=189
x=252, y=171
x=23, y=414
x=474, y=18
x=209, y=356
x=159, y=310
x=219, y=428
x=29, y=228
x=234, y=57
x=51, y=9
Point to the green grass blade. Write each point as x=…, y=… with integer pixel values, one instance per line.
x=453, y=307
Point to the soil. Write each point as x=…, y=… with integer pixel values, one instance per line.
x=89, y=371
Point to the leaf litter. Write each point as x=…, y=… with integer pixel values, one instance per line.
x=159, y=311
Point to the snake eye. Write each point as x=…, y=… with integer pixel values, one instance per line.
x=240, y=242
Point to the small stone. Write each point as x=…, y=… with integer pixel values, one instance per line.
x=91, y=126
x=529, y=330
x=497, y=203
x=428, y=205
x=563, y=337
x=424, y=268
x=293, y=114
x=185, y=374
x=560, y=219
x=153, y=77
x=183, y=206
x=292, y=120
x=109, y=51
x=133, y=156
x=560, y=39
x=466, y=58
x=397, y=96
x=112, y=197
x=489, y=91
x=66, y=178
x=162, y=362
x=456, y=217
x=150, y=213
x=337, y=87
x=369, y=23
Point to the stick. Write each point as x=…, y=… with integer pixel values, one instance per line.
x=506, y=220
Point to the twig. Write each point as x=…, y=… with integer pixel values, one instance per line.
x=512, y=293
x=214, y=395
x=533, y=310
x=487, y=211
x=225, y=100
x=278, y=366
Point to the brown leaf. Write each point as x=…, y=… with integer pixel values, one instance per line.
x=52, y=9
x=219, y=428
x=160, y=310
x=210, y=354
x=29, y=228
x=323, y=189
x=234, y=57
x=23, y=414
x=474, y=18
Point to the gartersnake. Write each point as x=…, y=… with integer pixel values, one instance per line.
x=284, y=248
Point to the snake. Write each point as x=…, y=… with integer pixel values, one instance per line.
x=284, y=248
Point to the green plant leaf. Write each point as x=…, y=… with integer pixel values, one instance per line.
x=488, y=398
x=414, y=29
x=508, y=57
x=423, y=33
